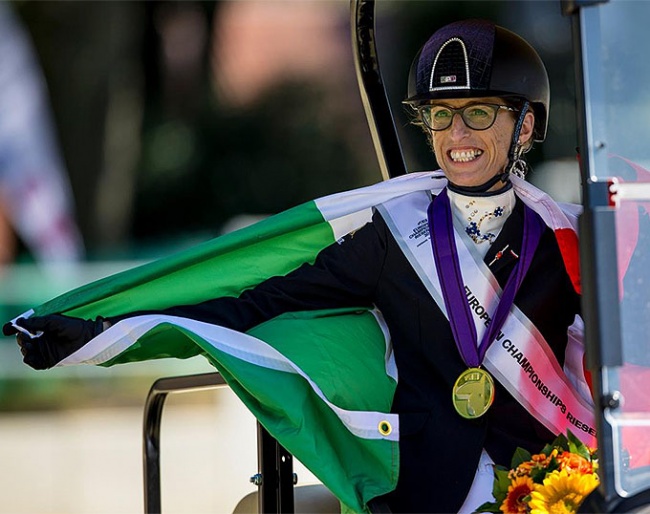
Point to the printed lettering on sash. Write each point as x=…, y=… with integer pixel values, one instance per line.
x=520, y=358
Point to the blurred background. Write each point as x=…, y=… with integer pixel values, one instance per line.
x=132, y=130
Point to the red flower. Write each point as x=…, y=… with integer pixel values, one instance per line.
x=518, y=495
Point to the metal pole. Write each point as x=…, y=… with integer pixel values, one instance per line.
x=151, y=427
x=275, y=493
x=372, y=90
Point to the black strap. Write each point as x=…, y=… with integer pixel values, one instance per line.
x=373, y=92
x=482, y=190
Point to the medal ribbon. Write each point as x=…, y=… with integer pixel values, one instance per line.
x=450, y=276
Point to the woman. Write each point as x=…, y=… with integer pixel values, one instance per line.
x=479, y=375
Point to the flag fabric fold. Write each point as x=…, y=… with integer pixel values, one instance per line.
x=321, y=382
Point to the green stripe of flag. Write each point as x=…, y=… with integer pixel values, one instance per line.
x=224, y=266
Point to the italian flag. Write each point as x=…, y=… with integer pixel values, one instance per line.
x=321, y=382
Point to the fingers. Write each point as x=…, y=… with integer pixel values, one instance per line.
x=28, y=339
x=16, y=326
x=34, y=361
x=8, y=329
x=32, y=355
x=25, y=345
x=33, y=324
x=25, y=342
x=21, y=325
x=31, y=349
x=46, y=340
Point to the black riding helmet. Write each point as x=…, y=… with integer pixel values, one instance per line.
x=476, y=58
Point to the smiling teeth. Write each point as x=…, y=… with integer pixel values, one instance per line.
x=465, y=155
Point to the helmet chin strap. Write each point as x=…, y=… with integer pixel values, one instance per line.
x=483, y=189
x=504, y=176
x=516, y=165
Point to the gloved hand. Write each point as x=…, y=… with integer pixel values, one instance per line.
x=60, y=337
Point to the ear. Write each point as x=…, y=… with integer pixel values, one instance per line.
x=527, y=127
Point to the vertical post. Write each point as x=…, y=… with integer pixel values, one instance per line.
x=276, y=467
x=597, y=228
x=372, y=90
x=153, y=410
x=151, y=447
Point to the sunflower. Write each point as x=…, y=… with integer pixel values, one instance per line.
x=562, y=492
x=518, y=494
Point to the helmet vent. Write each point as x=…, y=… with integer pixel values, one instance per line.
x=450, y=68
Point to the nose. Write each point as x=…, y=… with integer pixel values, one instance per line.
x=458, y=128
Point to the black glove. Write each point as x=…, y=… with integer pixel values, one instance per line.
x=61, y=336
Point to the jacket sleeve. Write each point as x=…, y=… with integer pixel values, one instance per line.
x=344, y=274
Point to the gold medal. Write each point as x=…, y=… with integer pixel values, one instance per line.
x=473, y=393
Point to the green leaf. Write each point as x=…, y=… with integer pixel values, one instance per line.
x=547, y=450
x=501, y=484
x=577, y=446
x=552, y=466
x=561, y=442
x=538, y=475
x=520, y=457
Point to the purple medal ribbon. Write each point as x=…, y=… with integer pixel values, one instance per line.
x=445, y=254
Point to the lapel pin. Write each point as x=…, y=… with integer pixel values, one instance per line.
x=500, y=253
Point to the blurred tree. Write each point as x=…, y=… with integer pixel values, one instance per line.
x=154, y=152
x=89, y=54
x=206, y=160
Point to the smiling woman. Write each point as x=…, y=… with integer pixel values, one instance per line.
x=473, y=148
x=427, y=259
x=450, y=74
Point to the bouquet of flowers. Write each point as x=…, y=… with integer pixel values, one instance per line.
x=556, y=480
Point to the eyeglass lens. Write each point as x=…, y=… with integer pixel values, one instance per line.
x=475, y=116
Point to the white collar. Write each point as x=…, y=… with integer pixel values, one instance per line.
x=482, y=217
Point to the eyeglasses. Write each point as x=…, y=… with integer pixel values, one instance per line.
x=476, y=116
